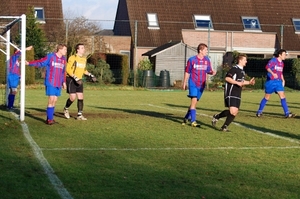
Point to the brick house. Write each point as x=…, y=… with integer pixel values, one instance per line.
x=48, y=13
x=254, y=27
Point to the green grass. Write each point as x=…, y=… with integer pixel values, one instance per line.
x=134, y=146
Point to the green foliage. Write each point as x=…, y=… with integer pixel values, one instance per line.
x=2, y=68
x=296, y=72
x=219, y=79
x=35, y=36
x=101, y=71
x=125, y=70
x=145, y=64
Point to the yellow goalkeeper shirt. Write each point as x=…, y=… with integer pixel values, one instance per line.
x=76, y=66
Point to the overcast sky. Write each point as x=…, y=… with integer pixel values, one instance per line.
x=104, y=10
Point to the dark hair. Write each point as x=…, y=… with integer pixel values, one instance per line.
x=279, y=52
x=201, y=46
x=77, y=46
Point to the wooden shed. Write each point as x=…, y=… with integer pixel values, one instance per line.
x=171, y=57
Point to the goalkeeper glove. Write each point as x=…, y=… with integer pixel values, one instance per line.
x=94, y=79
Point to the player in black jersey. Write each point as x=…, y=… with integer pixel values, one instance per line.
x=235, y=80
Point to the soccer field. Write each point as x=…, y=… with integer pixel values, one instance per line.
x=134, y=146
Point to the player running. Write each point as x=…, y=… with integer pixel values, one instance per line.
x=275, y=83
x=235, y=80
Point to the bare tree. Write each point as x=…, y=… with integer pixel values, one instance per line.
x=79, y=29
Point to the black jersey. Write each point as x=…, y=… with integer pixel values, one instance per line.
x=233, y=90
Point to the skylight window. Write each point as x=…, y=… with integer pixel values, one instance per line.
x=152, y=20
x=251, y=23
x=296, y=23
x=203, y=22
x=39, y=14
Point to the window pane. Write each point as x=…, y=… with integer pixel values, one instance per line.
x=251, y=24
x=39, y=13
x=297, y=24
x=203, y=21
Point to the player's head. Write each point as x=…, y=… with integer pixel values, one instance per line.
x=241, y=59
x=281, y=53
x=79, y=48
x=202, y=48
x=61, y=48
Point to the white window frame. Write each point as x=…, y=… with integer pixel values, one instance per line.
x=152, y=21
x=296, y=26
x=39, y=20
x=205, y=19
x=256, y=25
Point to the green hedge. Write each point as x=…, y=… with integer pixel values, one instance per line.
x=30, y=71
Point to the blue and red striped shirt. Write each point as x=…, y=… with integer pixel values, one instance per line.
x=14, y=64
x=198, y=68
x=55, y=69
x=276, y=66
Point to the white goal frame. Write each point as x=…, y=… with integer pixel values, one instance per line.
x=21, y=18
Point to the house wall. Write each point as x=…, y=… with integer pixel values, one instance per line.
x=107, y=44
x=244, y=42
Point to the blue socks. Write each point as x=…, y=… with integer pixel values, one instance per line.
x=284, y=106
x=262, y=105
x=193, y=115
x=50, y=113
x=11, y=100
x=188, y=114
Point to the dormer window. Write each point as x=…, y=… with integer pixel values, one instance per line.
x=296, y=23
x=251, y=24
x=152, y=21
x=203, y=22
x=39, y=14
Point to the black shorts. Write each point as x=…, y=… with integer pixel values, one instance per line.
x=73, y=87
x=232, y=101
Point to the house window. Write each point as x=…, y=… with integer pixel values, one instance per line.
x=203, y=22
x=251, y=23
x=39, y=14
x=152, y=21
x=296, y=23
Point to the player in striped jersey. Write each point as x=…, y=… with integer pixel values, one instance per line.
x=275, y=83
x=235, y=80
x=14, y=77
x=196, y=70
x=55, y=78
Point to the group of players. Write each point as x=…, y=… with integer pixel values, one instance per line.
x=60, y=73
x=199, y=66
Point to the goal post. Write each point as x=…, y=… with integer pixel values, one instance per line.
x=21, y=18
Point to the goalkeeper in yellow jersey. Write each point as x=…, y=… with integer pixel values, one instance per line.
x=76, y=68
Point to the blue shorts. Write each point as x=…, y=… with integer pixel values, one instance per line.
x=13, y=80
x=53, y=91
x=272, y=86
x=195, y=91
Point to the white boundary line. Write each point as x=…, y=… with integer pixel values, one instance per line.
x=238, y=124
x=167, y=149
x=55, y=181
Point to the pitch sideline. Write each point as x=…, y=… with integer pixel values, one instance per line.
x=55, y=181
